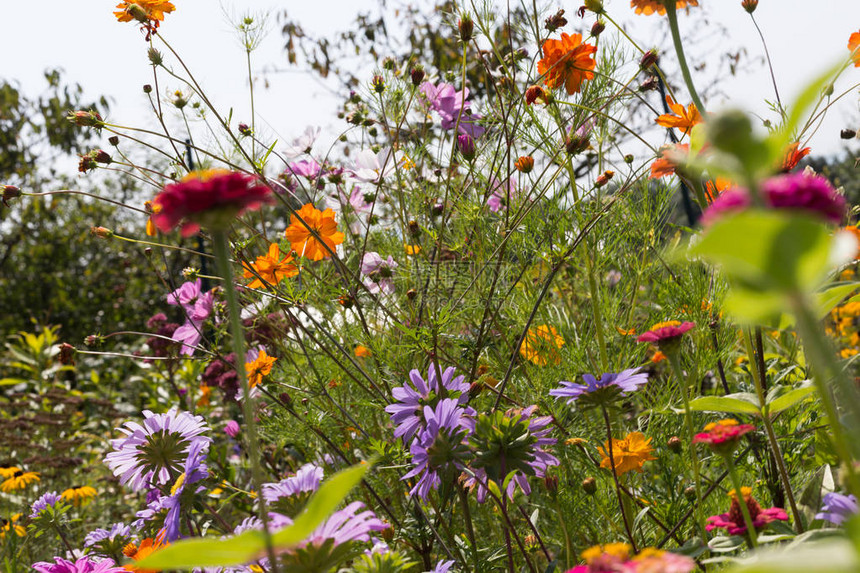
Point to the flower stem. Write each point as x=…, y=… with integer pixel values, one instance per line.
x=742, y=502
x=222, y=258
x=612, y=468
x=470, y=529
x=675, y=361
x=679, y=51
x=776, y=451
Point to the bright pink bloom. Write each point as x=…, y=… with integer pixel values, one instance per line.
x=207, y=198
x=733, y=521
x=665, y=331
x=723, y=433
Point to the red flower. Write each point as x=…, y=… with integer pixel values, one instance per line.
x=724, y=435
x=210, y=199
x=664, y=331
x=733, y=521
x=793, y=154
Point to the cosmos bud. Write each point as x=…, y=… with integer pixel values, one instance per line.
x=589, y=485
x=417, y=75
x=525, y=164
x=466, y=27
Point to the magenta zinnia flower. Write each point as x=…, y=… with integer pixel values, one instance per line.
x=210, y=199
x=148, y=453
x=733, y=521
x=795, y=191
x=665, y=331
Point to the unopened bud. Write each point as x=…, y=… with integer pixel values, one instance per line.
x=437, y=209
x=378, y=84
x=244, y=129
x=589, y=485
x=690, y=493
x=749, y=5
x=417, y=75
x=285, y=398
x=101, y=156
x=555, y=21
x=414, y=229
x=628, y=159
x=648, y=85
x=147, y=88
x=847, y=134
x=155, y=57
x=466, y=27
x=67, y=354
x=604, y=178
x=93, y=340
x=597, y=28
x=525, y=164
x=648, y=59
x=475, y=388
x=113, y=140
x=595, y=6
x=388, y=534
x=9, y=192
x=138, y=13
x=535, y=94
x=411, y=294
x=551, y=483
x=576, y=144
x=675, y=444
x=101, y=232
x=190, y=273
x=85, y=118
x=466, y=146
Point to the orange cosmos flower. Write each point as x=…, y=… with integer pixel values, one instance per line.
x=714, y=188
x=362, y=352
x=670, y=158
x=683, y=119
x=648, y=7
x=628, y=454
x=306, y=244
x=260, y=367
x=541, y=345
x=271, y=268
x=854, y=46
x=146, y=548
x=567, y=62
x=150, y=10
x=793, y=154
x=854, y=230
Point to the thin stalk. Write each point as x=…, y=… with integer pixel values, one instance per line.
x=222, y=258
x=776, y=451
x=769, y=65
x=470, y=529
x=597, y=317
x=621, y=504
x=675, y=361
x=745, y=510
x=672, y=16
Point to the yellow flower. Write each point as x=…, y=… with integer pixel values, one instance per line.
x=79, y=495
x=8, y=471
x=270, y=268
x=19, y=480
x=12, y=526
x=541, y=345
x=412, y=249
x=303, y=242
x=260, y=367
x=629, y=453
x=619, y=550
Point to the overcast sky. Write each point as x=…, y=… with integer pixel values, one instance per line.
x=109, y=58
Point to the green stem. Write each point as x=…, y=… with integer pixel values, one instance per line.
x=621, y=504
x=598, y=318
x=222, y=258
x=675, y=361
x=470, y=529
x=776, y=451
x=824, y=368
x=682, y=60
x=742, y=502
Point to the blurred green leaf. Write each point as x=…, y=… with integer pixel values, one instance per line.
x=830, y=556
x=740, y=403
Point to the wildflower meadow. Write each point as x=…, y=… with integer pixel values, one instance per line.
x=539, y=305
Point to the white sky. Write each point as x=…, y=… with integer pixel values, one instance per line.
x=109, y=58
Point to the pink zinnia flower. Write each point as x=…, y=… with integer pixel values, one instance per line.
x=796, y=191
x=211, y=198
x=663, y=331
x=733, y=521
x=724, y=435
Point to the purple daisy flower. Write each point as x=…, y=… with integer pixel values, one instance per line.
x=49, y=499
x=537, y=460
x=837, y=508
x=85, y=564
x=306, y=480
x=406, y=415
x=97, y=536
x=442, y=567
x=347, y=525
x=611, y=384
x=440, y=446
x=146, y=455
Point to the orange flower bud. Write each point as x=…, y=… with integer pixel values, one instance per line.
x=525, y=164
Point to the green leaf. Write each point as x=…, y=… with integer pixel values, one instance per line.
x=740, y=403
x=827, y=300
x=11, y=381
x=776, y=402
x=250, y=545
x=828, y=556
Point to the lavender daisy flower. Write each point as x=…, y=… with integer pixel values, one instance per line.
x=195, y=470
x=347, y=525
x=604, y=390
x=117, y=530
x=378, y=273
x=406, y=415
x=522, y=438
x=146, y=455
x=84, y=564
x=442, y=567
x=306, y=480
x=440, y=447
x=837, y=508
x=49, y=499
